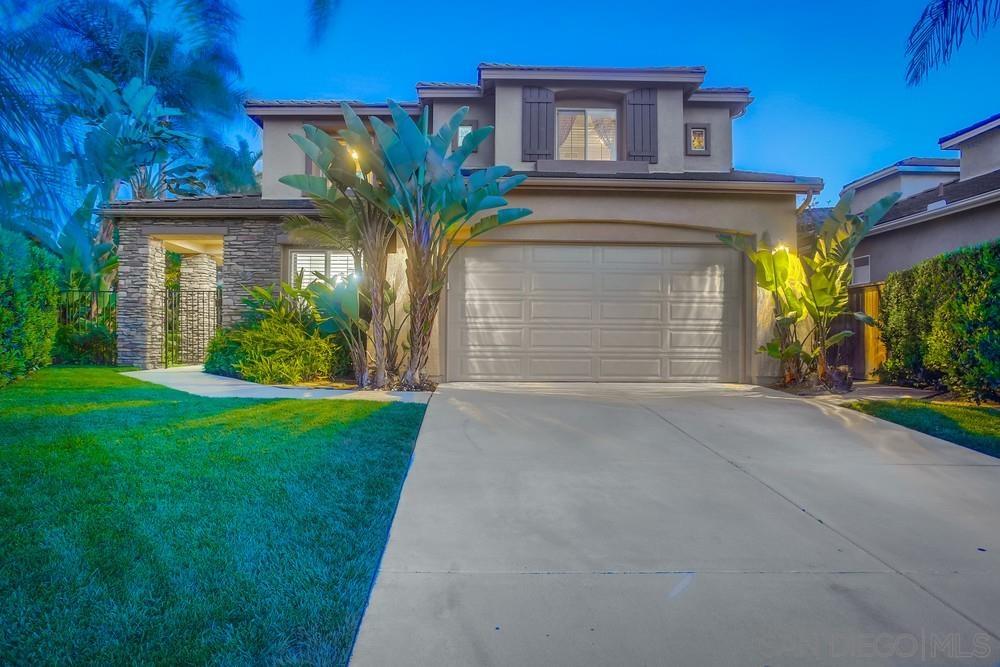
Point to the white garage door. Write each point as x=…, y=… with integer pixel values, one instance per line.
x=594, y=313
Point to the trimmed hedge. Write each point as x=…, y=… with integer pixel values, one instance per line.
x=28, y=306
x=940, y=322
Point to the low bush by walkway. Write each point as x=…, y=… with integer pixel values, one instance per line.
x=141, y=524
x=974, y=426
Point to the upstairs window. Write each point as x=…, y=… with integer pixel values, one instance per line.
x=328, y=262
x=862, y=270
x=587, y=134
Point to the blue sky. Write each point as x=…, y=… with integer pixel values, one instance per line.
x=827, y=78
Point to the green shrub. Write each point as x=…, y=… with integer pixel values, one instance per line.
x=278, y=341
x=224, y=353
x=89, y=343
x=941, y=323
x=281, y=352
x=28, y=306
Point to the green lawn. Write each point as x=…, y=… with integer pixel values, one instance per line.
x=976, y=427
x=140, y=524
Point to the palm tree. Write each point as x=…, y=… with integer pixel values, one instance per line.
x=231, y=170
x=31, y=138
x=941, y=29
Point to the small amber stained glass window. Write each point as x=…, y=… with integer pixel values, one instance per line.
x=697, y=140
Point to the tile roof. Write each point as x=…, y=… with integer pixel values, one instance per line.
x=952, y=192
x=699, y=69
x=318, y=103
x=928, y=162
x=445, y=84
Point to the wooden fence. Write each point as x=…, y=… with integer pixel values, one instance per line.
x=864, y=352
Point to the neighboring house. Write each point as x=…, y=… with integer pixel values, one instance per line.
x=947, y=203
x=617, y=276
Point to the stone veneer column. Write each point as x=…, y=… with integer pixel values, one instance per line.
x=141, y=282
x=251, y=257
x=197, y=306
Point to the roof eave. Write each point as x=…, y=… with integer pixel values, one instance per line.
x=891, y=170
x=205, y=212
x=571, y=183
x=953, y=140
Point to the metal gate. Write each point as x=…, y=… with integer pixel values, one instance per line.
x=190, y=319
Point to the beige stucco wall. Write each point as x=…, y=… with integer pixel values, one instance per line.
x=720, y=138
x=655, y=218
x=480, y=110
x=281, y=157
x=904, y=247
x=507, y=137
x=981, y=155
x=671, y=116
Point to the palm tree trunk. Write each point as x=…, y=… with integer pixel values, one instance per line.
x=423, y=307
x=375, y=274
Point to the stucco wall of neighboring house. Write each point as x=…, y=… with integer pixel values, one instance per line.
x=902, y=248
x=720, y=138
x=654, y=218
x=981, y=155
x=281, y=157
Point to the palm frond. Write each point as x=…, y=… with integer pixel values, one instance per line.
x=941, y=29
x=320, y=14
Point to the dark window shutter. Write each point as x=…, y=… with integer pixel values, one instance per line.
x=640, y=125
x=538, y=124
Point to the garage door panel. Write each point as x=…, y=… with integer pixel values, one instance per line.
x=491, y=368
x=561, y=338
x=594, y=313
x=698, y=312
x=561, y=310
x=494, y=310
x=633, y=283
x=699, y=283
x=562, y=254
x=561, y=368
x=680, y=341
x=639, y=310
x=493, y=338
x=494, y=281
x=631, y=339
x=631, y=369
x=571, y=281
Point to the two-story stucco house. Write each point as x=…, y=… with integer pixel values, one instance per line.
x=617, y=276
x=946, y=204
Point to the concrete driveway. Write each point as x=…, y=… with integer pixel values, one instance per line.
x=714, y=525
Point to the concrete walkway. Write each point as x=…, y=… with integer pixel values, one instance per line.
x=683, y=525
x=871, y=391
x=193, y=380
